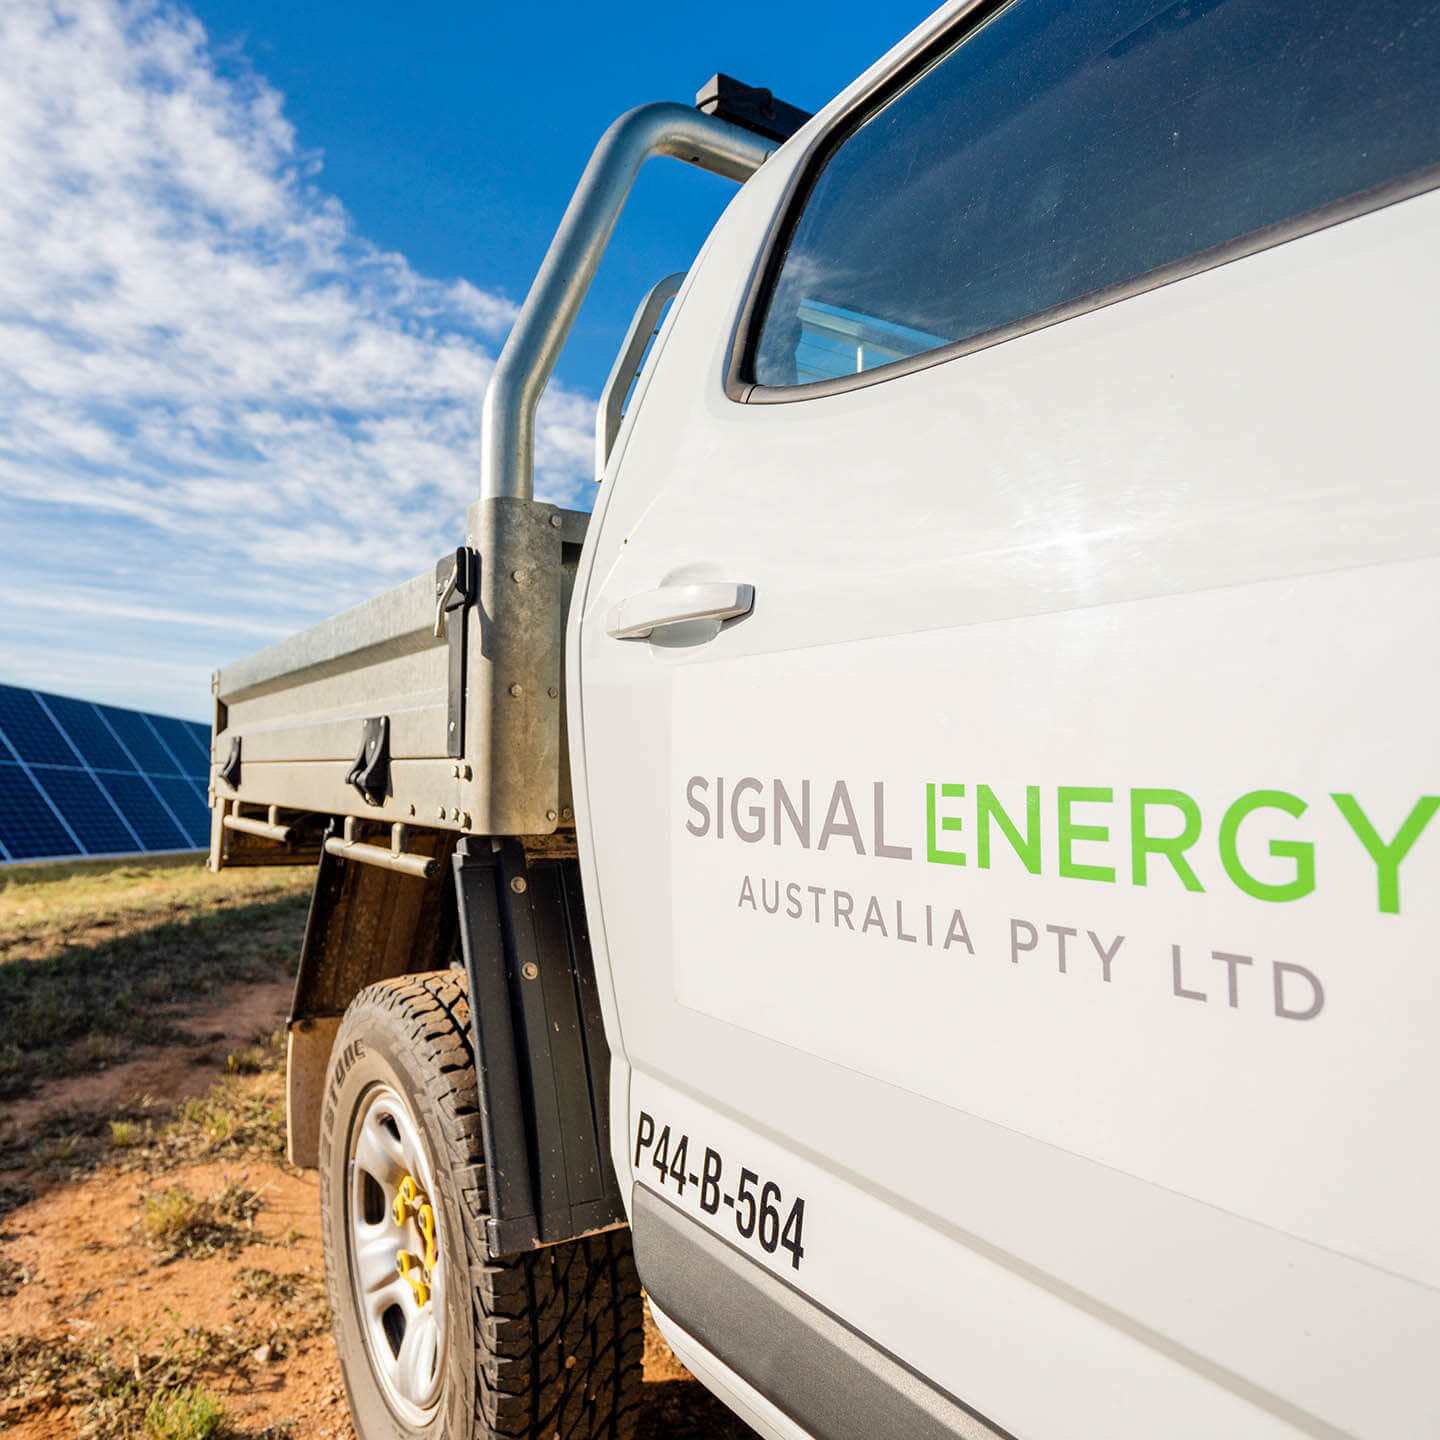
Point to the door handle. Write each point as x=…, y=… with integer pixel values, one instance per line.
x=635, y=618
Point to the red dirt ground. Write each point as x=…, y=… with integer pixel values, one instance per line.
x=85, y=1270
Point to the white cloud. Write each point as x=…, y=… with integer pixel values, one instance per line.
x=218, y=403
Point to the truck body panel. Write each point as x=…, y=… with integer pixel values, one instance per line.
x=1182, y=543
x=468, y=687
x=1013, y=932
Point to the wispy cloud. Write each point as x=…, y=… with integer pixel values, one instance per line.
x=220, y=407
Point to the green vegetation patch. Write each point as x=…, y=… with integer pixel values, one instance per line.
x=187, y=1227
x=125, y=1387
x=190, y=1413
x=243, y=1113
x=241, y=1118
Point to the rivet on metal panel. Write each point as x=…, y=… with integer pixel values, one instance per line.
x=455, y=813
x=464, y=772
x=517, y=884
x=455, y=772
x=550, y=815
x=567, y=813
x=516, y=691
x=440, y=813
x=518, y=576
x=465, y=821
x=412, y=809
x=556, y=521
x=554, y=693
x=530, y=970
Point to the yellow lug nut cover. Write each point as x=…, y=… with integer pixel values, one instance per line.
x=407, y=1195
x=425, y=1220
x=413, y=1271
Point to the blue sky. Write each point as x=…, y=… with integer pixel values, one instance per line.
x=255, y=262
x=453, y=133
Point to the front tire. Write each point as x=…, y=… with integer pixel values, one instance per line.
x=458, y=1346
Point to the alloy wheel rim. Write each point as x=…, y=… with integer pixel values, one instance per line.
x=396, y=1261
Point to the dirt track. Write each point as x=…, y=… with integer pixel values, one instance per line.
x=153, y=1237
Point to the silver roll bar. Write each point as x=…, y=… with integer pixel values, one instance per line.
x=507, y=453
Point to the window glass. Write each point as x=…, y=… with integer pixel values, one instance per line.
x=1070, y=145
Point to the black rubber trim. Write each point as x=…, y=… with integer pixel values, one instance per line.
x=740, y=356
x=540, y=1049
x=823, y=1374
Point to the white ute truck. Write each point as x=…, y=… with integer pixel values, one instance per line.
x=937, y=875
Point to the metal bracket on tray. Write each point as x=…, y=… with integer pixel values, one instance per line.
x=456, y=585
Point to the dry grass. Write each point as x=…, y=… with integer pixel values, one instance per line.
x=189, y=1228
x=97, y=961
x=241, y=1118
x=45, y=909
x=153, y=1385
x=298, y=1295
x=124, y=1387
x=243, y=1113
x=107, y=957
x=96, y=944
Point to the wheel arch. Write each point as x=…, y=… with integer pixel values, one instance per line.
x=365, y=924
x=510, y=914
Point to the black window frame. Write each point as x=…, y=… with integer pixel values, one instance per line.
x=739, y=383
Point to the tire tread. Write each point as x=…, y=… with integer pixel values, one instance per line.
x=534, y=1314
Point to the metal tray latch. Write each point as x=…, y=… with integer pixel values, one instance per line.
x=456, y=583
x=229, y=772
x=370, y=774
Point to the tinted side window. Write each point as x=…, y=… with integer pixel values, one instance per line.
x=1071, y=145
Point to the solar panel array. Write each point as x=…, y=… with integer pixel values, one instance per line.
x=78, y=778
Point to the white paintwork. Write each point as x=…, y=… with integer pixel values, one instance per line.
x=1185, y=541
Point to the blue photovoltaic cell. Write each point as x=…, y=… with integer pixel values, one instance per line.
x=87, y=809
x=141, y=741
x=74, y=757
x=177, y=737
x=141, y=807
x=31, y=830
x=200, y=734
x=31, y=731
x=189, y=806
x=88, y=733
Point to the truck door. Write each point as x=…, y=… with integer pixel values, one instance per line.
x=1005, y=740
